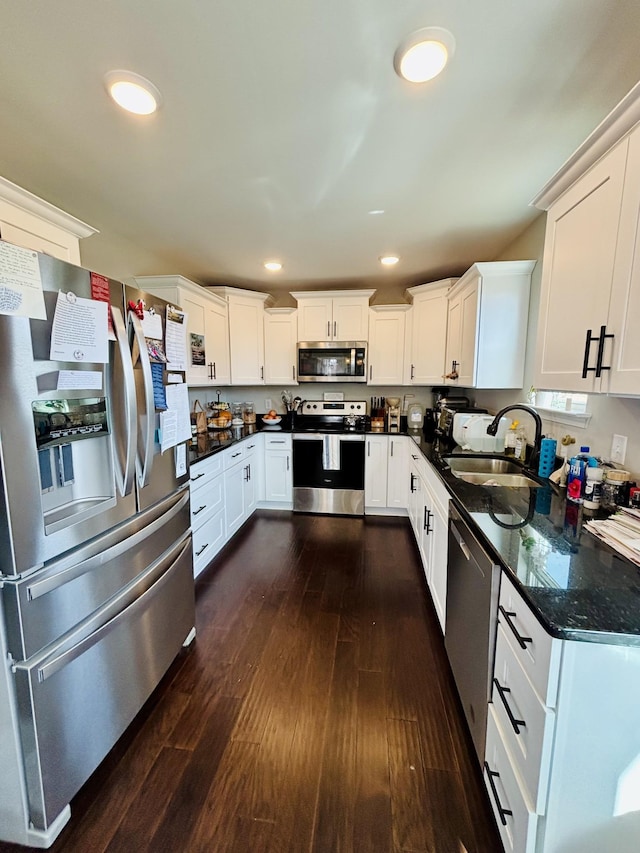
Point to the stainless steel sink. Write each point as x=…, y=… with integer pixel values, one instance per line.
x=490, y=471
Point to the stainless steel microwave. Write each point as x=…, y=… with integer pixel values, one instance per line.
x=332, y=361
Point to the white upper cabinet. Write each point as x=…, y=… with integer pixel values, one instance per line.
x=280, y=338
x=207, y=325
x=427, y=333
x=488, y=311
x=32, y=223
x=387, y=325
x=333, y=315
x=589, y=326
x=246, y=333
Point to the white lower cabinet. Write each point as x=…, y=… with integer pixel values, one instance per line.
x=561, y=761
x=207, y=511
x=428, y=504
x=385, y=474
x=278, y=473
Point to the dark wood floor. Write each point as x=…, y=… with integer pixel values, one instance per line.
x=315, y=711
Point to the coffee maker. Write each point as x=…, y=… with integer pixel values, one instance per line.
x=393, y=414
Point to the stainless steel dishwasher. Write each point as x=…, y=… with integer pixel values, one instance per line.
x=473, y=585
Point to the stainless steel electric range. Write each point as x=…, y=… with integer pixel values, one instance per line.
x=328, y=457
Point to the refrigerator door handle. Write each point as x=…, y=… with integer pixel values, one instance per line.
x=125, y=476
x=57, y=660
x=146, y=418
x=109, y=549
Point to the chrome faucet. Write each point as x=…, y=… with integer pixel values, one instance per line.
x=492, y=429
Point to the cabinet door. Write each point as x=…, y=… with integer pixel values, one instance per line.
x=280, y=339
x=246, y=340
x=468, y=335
x=315, y=320
x=216, y=344
x=398, y=472
x=234, y=499
x=375, y=471
x=428, y=338
x=438, y=560
x=386, y=347
x=350, y=319
x=624, y=310
x=197, y=344
x=250, y=483
x=580, y=250
x=277, y=476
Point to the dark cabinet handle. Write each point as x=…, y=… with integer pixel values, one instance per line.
x=413, y=370
x=328, y=328
x=212, y=370
x=204, y=548
x=427, y=521
x=501, y=692
x=197, y=477
x=491, y=774
x=411, y=482
x=599, y=366
x=585, y=361
x=196, y=511
x=262, y=372
x=293, y=371
x=522, y=641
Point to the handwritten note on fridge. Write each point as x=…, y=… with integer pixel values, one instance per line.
x=79, y=330
x=20, y=283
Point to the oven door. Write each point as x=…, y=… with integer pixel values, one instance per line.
x=328, y=473
x=324, y=361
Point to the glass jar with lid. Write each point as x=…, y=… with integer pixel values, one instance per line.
x=248, y=413
x=615, y=489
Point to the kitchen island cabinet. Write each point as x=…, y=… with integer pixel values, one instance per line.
x=588, y=337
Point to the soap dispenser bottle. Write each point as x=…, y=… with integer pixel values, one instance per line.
x=510, y=439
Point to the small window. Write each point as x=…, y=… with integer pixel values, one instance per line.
x=561, y=401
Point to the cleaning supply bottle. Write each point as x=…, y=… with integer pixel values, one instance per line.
x=510, y=439
x=593, y=487
x=520, y=449
x=577, y=477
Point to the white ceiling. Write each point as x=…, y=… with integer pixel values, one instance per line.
x=284, y=123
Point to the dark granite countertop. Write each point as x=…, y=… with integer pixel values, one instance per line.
x=578, y=587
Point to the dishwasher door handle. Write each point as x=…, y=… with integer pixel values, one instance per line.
x=461, y=543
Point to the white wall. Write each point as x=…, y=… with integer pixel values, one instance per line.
x=609, y=414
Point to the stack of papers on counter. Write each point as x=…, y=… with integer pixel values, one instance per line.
x=621, y=531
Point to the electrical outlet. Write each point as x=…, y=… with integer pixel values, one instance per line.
x=618, y=448
x=268, y=404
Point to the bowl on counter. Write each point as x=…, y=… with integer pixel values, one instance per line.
x=271, y=421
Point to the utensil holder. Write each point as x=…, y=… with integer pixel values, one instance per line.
x=547, y=460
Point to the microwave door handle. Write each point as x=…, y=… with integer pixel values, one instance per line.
x=146, y=432
x=353, y=361
x=124, y=475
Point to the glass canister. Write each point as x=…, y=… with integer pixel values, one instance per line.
x=249, y=413
x=615, y=489
x=236, y=414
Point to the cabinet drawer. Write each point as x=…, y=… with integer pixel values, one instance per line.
x=516, y=821
x=200, y=472
x=206, y=501
x=207, y=541
x=537, y=651
x=233, y=456
x=526, y=724
x=277, y=441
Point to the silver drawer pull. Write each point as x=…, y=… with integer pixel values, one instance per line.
x=501, y=692
x=522, y=641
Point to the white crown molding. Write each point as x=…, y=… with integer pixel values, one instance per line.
x=30, y=203
x=620, y=121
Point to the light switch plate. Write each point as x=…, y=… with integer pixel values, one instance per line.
x=618, y=448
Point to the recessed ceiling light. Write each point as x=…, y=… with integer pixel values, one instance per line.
x=424, y=54
x=132, y=92
x=389, y=260
x=376, y=212
x=273, y=266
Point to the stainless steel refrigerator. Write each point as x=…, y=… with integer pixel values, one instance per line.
x=96, y=583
